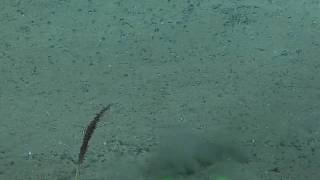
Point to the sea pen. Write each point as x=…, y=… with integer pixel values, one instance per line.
x=88, y=133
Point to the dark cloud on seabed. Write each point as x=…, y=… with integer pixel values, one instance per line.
x=184, y=153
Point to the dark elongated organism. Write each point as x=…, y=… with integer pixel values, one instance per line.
x=88, y=133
